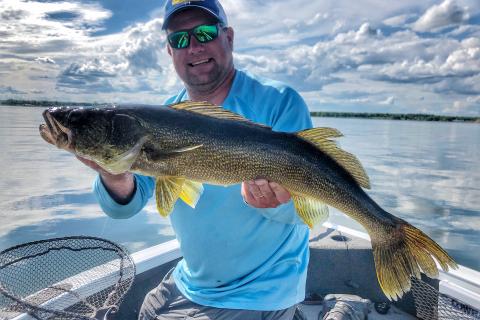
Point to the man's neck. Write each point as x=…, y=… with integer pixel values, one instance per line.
x=218, y=95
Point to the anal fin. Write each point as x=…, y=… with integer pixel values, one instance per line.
x=311, y=211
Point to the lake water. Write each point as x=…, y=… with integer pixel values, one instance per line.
x=427, y=173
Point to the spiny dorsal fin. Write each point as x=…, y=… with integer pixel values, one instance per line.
x=320, y=137
x=211, y=110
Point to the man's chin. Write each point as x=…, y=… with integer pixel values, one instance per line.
x=203, y=83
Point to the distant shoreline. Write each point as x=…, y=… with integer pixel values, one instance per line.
x=323, y=114
x=395, y=116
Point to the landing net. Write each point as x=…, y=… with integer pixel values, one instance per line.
x=64, y=278
x=430, y=304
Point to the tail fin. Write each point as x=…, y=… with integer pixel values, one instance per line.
x=406, y=252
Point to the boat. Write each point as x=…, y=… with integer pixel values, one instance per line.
x=341, y=263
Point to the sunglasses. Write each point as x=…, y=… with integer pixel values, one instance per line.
x=203, y=33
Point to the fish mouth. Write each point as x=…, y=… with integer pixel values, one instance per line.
x=53, y=132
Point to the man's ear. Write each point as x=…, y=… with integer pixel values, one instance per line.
x=230, y=36
x=169, y=49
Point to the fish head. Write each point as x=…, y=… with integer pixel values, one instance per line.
x=108, y=136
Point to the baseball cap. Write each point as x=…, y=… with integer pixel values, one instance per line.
x=211, y=6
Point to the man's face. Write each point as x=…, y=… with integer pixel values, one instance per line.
x=201, y=66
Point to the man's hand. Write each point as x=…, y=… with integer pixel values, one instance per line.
x=119, y=186
x=262, y=193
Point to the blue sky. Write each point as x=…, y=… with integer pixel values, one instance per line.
x=411, y=56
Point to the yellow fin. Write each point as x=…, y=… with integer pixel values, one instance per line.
x=404, y=254
x=320, y=137
x=167, y=191
x=211, y=110
x=191, y=192
x=311, y=211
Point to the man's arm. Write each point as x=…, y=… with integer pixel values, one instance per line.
x=120, y=187
x=120, y=196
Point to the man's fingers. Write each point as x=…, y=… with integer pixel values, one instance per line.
x=261, y=193
x=263, y=196
x=282, y=194
x=264, y=189
x=255, y=190
x=249, y=198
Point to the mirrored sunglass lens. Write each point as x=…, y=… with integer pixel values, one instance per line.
x=179, y=40
x=205, y=33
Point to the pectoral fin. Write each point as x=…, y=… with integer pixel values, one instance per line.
x=311, y=211
x=155, y=154
x=169, y=189
x=122, y=162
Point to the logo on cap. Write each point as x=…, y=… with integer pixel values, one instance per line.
x=175, y=2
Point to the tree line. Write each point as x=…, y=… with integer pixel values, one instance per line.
x=395, y=116
x=41, y=103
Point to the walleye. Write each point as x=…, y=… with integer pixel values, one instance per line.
x=191, y=143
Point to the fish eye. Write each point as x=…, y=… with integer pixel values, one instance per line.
x=73, y=116
x=76, y=116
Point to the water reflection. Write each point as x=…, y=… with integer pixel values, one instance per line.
x=46, y=192
x=426, y=173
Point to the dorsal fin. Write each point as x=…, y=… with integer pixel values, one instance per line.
x=211, y=110
x=321, y=138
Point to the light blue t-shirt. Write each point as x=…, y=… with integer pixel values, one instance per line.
x=236, y=256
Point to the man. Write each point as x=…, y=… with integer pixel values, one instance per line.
x=245, y=251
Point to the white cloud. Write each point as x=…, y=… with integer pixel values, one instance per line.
x=143, y=47
x=440, y=16
x=389, y=101
x=324, y=49
x=399, y=20
x=45, y=60
x=400, y=57
x=91, y=76
x=29, y=21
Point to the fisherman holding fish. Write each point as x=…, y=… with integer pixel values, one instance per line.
x=245, y=251
x=244, y=246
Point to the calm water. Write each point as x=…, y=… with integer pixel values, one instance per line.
x=427, y=173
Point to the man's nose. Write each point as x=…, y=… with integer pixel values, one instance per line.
x=195, y=46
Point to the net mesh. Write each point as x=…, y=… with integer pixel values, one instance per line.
x=432, y=305
x=64, y=278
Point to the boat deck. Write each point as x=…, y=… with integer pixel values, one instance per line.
x=315, y=312
x=339, y=264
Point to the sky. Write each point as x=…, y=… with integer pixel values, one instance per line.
x=408, y=56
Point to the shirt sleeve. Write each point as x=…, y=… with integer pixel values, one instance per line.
x=290, y=115
x=144, y=191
